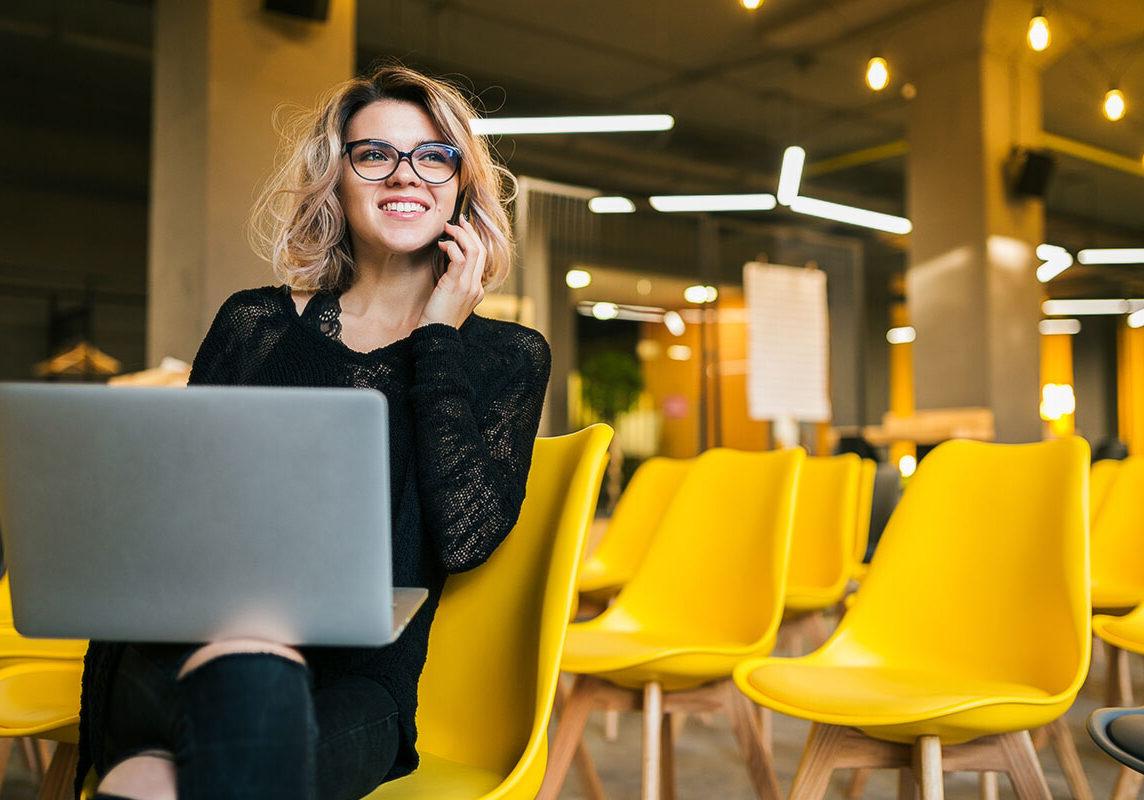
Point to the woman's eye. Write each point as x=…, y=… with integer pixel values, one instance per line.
x=375, y=155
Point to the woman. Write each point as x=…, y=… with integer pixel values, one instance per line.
x=370, y=297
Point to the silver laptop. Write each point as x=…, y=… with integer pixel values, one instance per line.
x=190, y=515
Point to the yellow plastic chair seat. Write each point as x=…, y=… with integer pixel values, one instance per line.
x=598, y=578
x=633, y=658
x=867, y=697
x=1111, y=595
x=807, y=600
x=441, y=779
x=13, y=645
x=40, y=698
x=1126, y=633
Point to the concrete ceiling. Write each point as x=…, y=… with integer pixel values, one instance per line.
x=742, y=86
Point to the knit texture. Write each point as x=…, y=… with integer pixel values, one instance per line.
x=464, y=409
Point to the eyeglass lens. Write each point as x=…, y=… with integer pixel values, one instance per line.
x=433, y=163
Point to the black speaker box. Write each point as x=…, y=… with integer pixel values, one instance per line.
x=317, y=10
x=1028, y=172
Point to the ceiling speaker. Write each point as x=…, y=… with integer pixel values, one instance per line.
x=1028, y=172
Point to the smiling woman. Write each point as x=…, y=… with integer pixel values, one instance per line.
x=315, y=212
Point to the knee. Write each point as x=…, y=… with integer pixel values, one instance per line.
x=214, y=650
x=148, y=775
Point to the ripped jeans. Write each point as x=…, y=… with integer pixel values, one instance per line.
x=250, y=726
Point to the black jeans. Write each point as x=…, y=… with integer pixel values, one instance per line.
x=251, y=726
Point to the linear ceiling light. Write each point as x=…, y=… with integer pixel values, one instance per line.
x=713, y=202
x=611, y=205
x=854, y=216
x=1122, y=255
x=1051, y=327
x=791, y=176
x=1056, y=259
x=1058, y=308
x=489, y=126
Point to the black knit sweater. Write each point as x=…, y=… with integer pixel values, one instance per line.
x=464, y=408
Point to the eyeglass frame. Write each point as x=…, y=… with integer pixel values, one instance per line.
x=407, y=156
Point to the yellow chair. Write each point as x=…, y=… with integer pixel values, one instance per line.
x=862, y=523
x=708, y=593
x=822, y=544
x=1118, y=538
x=973, y=624
x=40, y=699
x=637, y=515
x=1122, y=635
x=494, y=651
x=1100, y=480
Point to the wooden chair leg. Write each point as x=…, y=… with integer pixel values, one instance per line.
x=927, y=760
x=6, y=745
x=652, y=730
x=813, y=776
x=47, y=749
x=745, y=725
x=1065, y=748
x=667, y=758
x=987, y=785
x=569, y=733
x=767, y=731
x=611, y=726
x=58, y=783
x=857, y=785
x=907, y=784
x=586, y=770
x=1118, y=687
x=1023, y=767
x=1127, y=784
x=32, y=757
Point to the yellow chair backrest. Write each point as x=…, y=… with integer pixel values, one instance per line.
x=716, y=567
x=1118, y=530
x=496, y=643
x=1100, y=481
x=822, y=539
x=637, y=515
x=983, y=567
x=865, y=509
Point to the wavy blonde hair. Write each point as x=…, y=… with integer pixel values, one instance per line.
x=298, y=224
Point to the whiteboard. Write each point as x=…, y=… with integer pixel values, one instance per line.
x=788, y=343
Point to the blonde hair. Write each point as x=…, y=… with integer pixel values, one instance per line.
x=298, y=224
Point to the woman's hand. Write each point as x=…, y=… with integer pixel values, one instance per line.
x=459, y=290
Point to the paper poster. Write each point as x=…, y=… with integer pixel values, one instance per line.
x=788, y=341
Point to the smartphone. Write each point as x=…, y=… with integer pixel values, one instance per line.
x=459, y=208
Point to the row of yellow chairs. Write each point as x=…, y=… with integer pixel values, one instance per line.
x=973, y=622
x=494, y=652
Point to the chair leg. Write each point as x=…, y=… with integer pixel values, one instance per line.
x=767, y=731
x=927, y=758
x=58, y=784
x=817, y=762
x=586, y=770
x=1069, y=759
x=653, y=727
x=32, y=757
x=6, y=745
x=611, y=726
x=857, y=785
x=907, y=784
x=569, y=735
x=667, y=758
x=1127, y=784
x=1118, y=687
x=47, y=749
x=745, y=725
x=987, y=785
x=1023, y=766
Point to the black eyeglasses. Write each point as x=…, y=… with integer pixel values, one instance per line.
x=375, y=160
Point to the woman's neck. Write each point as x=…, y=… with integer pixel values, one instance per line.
x=391, y=289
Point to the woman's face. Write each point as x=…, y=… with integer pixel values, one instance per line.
x=375, y=222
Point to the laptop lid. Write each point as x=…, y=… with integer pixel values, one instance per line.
x=186, y=515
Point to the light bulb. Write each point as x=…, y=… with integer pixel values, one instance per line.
x=751, y=5
x=1040, y=37
x=877, y=73
x=1114, y=105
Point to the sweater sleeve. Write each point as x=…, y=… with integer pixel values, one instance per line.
x=472, y=469
x=215, y=362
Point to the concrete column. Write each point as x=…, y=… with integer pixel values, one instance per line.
x=221, y=67
x=972, y=292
